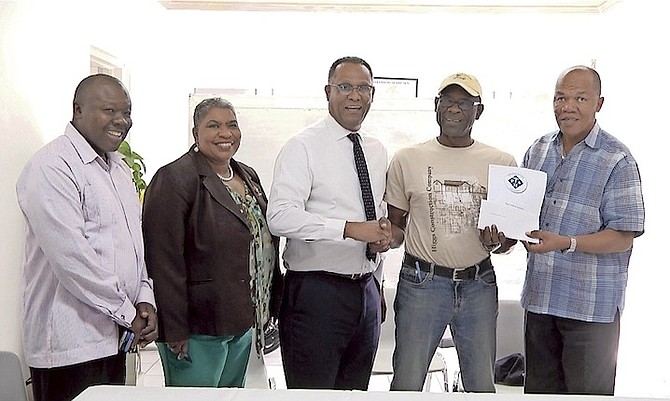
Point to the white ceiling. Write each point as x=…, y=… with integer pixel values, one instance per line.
x=422, y=6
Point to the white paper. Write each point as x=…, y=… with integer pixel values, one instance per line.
x=514, y=200
x=257, y=375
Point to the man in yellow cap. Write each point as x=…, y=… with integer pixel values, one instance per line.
x=446, y=277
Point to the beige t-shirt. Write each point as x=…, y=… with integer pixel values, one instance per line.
x=442, y=188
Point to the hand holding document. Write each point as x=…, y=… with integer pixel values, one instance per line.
x=514, y=200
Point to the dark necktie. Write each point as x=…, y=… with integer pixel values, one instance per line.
x=364, y=180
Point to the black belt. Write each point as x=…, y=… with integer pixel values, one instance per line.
x=352, y=276
x=467, y=273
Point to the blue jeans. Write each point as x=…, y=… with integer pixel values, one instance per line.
x=425, y=304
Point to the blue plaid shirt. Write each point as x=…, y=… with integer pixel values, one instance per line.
x=597, y=186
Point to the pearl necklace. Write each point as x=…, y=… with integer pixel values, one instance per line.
x=231, y=174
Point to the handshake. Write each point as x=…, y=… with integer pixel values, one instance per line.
x=377, y=233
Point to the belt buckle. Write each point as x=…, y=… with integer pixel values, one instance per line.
x=462, y=274
x=458, y=275
x=356, y=276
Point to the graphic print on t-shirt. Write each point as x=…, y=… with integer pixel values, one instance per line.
x=453, y=204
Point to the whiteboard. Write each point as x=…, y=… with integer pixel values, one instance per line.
x=268, y=121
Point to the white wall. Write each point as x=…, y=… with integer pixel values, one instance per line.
x=35, y=98
x=636, y=88
x=291, y=53
x=168, y=53
x=44, y=53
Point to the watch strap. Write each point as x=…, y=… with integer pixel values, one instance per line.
x=573, y=246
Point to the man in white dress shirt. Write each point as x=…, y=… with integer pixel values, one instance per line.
x=331, y=310
x=84, y=279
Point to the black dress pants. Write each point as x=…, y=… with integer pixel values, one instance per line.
x=566, y=356
x=66, y=382
x=329, y=330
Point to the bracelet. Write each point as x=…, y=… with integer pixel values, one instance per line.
x=491, y=248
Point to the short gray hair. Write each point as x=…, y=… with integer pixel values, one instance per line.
x=206, y=105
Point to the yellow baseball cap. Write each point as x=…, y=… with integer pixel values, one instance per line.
x=465, y=81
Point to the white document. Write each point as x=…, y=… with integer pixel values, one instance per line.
x=514, y=200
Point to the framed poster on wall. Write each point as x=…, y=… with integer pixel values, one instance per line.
x=396, y=87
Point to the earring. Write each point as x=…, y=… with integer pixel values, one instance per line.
x=195, y=149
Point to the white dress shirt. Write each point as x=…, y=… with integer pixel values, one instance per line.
x=84, y=266
x=315, y=191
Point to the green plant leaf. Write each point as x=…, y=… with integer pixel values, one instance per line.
x=137, y=166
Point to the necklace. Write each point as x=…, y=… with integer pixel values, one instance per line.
x=564, y=154
x=231, y=173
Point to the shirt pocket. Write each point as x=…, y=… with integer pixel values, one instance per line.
x=97, y=210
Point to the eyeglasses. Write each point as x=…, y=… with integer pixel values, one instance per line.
x=346, y=89
x=464, y=105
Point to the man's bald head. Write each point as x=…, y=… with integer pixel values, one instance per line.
x=597, y=85
x=93, y=81
x=101, y=112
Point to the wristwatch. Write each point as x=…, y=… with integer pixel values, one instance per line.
x=492, y=248
x=573, y=246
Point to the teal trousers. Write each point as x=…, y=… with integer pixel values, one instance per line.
x=215, y=361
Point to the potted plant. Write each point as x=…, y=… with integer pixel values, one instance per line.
x=136, y=164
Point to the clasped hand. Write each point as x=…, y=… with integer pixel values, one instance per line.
x=382, y=244
x=377, y=233
x=145, y=325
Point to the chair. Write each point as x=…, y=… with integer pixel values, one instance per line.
x=447, y=350
x=510, y=328
x=133, y=367
x=383, y=364
x=12, y=383
x=509, y=337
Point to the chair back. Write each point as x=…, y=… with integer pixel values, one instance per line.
x=12, y=383
x=383, y=364
x=387, y=334
x=384, y=359
x=510, y=328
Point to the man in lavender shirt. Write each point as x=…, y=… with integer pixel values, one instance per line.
x=84, y=279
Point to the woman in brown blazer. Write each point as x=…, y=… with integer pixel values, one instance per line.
x=212, y=258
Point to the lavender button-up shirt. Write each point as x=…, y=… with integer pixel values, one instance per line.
x=84, y=266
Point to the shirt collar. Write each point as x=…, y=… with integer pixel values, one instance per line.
x=85, y=150
x=337, y=130
x=590, y=139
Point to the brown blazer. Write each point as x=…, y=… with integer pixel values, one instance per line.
x=197, y=250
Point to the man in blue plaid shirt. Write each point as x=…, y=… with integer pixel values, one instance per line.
x=577, y=273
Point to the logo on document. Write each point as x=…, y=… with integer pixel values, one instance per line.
x=516, y=183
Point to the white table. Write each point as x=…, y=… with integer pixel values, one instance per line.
x=130, y=393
